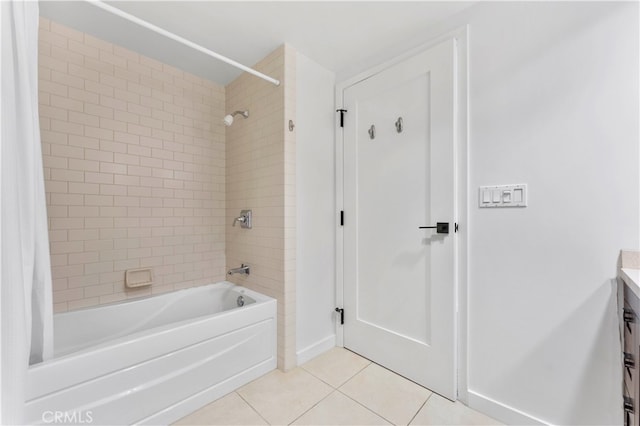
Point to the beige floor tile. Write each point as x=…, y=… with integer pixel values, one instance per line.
x=386, y=393
x=336, y=366
x=282, y=397
x=338, y=409
x=441, y=411
x=228, y=410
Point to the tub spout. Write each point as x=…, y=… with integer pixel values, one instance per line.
x=244, y=270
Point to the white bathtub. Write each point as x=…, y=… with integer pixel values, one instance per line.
x=152, y=360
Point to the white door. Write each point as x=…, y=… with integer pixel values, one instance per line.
x=399, y=280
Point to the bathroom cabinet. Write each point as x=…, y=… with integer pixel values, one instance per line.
x=631, y=344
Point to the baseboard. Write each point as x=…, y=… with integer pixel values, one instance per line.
x=316, y=349
x=500, y=411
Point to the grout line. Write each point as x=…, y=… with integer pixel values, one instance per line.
x=421, y=407
x=369, y=362
x=348, y=378
x=401, y=376
x=252, y=407
x=341, y=384
x=312, y=407
x=319, y=378
x=367, y=408
x=356, y=373
x=393, y=372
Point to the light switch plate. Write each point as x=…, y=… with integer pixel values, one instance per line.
x=503, y=196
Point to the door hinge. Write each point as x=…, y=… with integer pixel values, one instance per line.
x=341, y=217
x=341, y=312
x=341, y=111
x=455, y=227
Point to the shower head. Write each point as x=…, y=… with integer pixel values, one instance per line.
x=228, y=119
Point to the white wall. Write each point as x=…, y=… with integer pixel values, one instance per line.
x=554, y=104
x=553, y=95
x=316, y=214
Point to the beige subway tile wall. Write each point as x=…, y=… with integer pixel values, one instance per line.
x=261, y=177
x=134, y=157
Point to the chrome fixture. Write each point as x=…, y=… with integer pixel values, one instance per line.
x=228, y=119
x=240, y=300
x=372, y=132
x=291, y=125
x=242, y=270
x=244, y=219
x=399, y=125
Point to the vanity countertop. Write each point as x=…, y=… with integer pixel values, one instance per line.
x=632, y=278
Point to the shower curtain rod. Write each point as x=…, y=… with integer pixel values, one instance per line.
x=154, y=28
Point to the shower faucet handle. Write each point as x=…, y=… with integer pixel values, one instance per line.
x=244, y=219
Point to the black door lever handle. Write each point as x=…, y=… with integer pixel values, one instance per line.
x=441, y=227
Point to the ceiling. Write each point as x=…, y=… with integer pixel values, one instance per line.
x=337, y=35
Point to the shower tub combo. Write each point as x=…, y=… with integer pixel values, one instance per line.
x=153, y=360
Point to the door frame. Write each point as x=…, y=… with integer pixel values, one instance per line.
x=461, y=175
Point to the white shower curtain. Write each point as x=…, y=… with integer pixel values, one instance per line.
x=26, y=324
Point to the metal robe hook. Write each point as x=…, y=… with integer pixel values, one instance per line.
x=372, y=132
x=399, y=125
